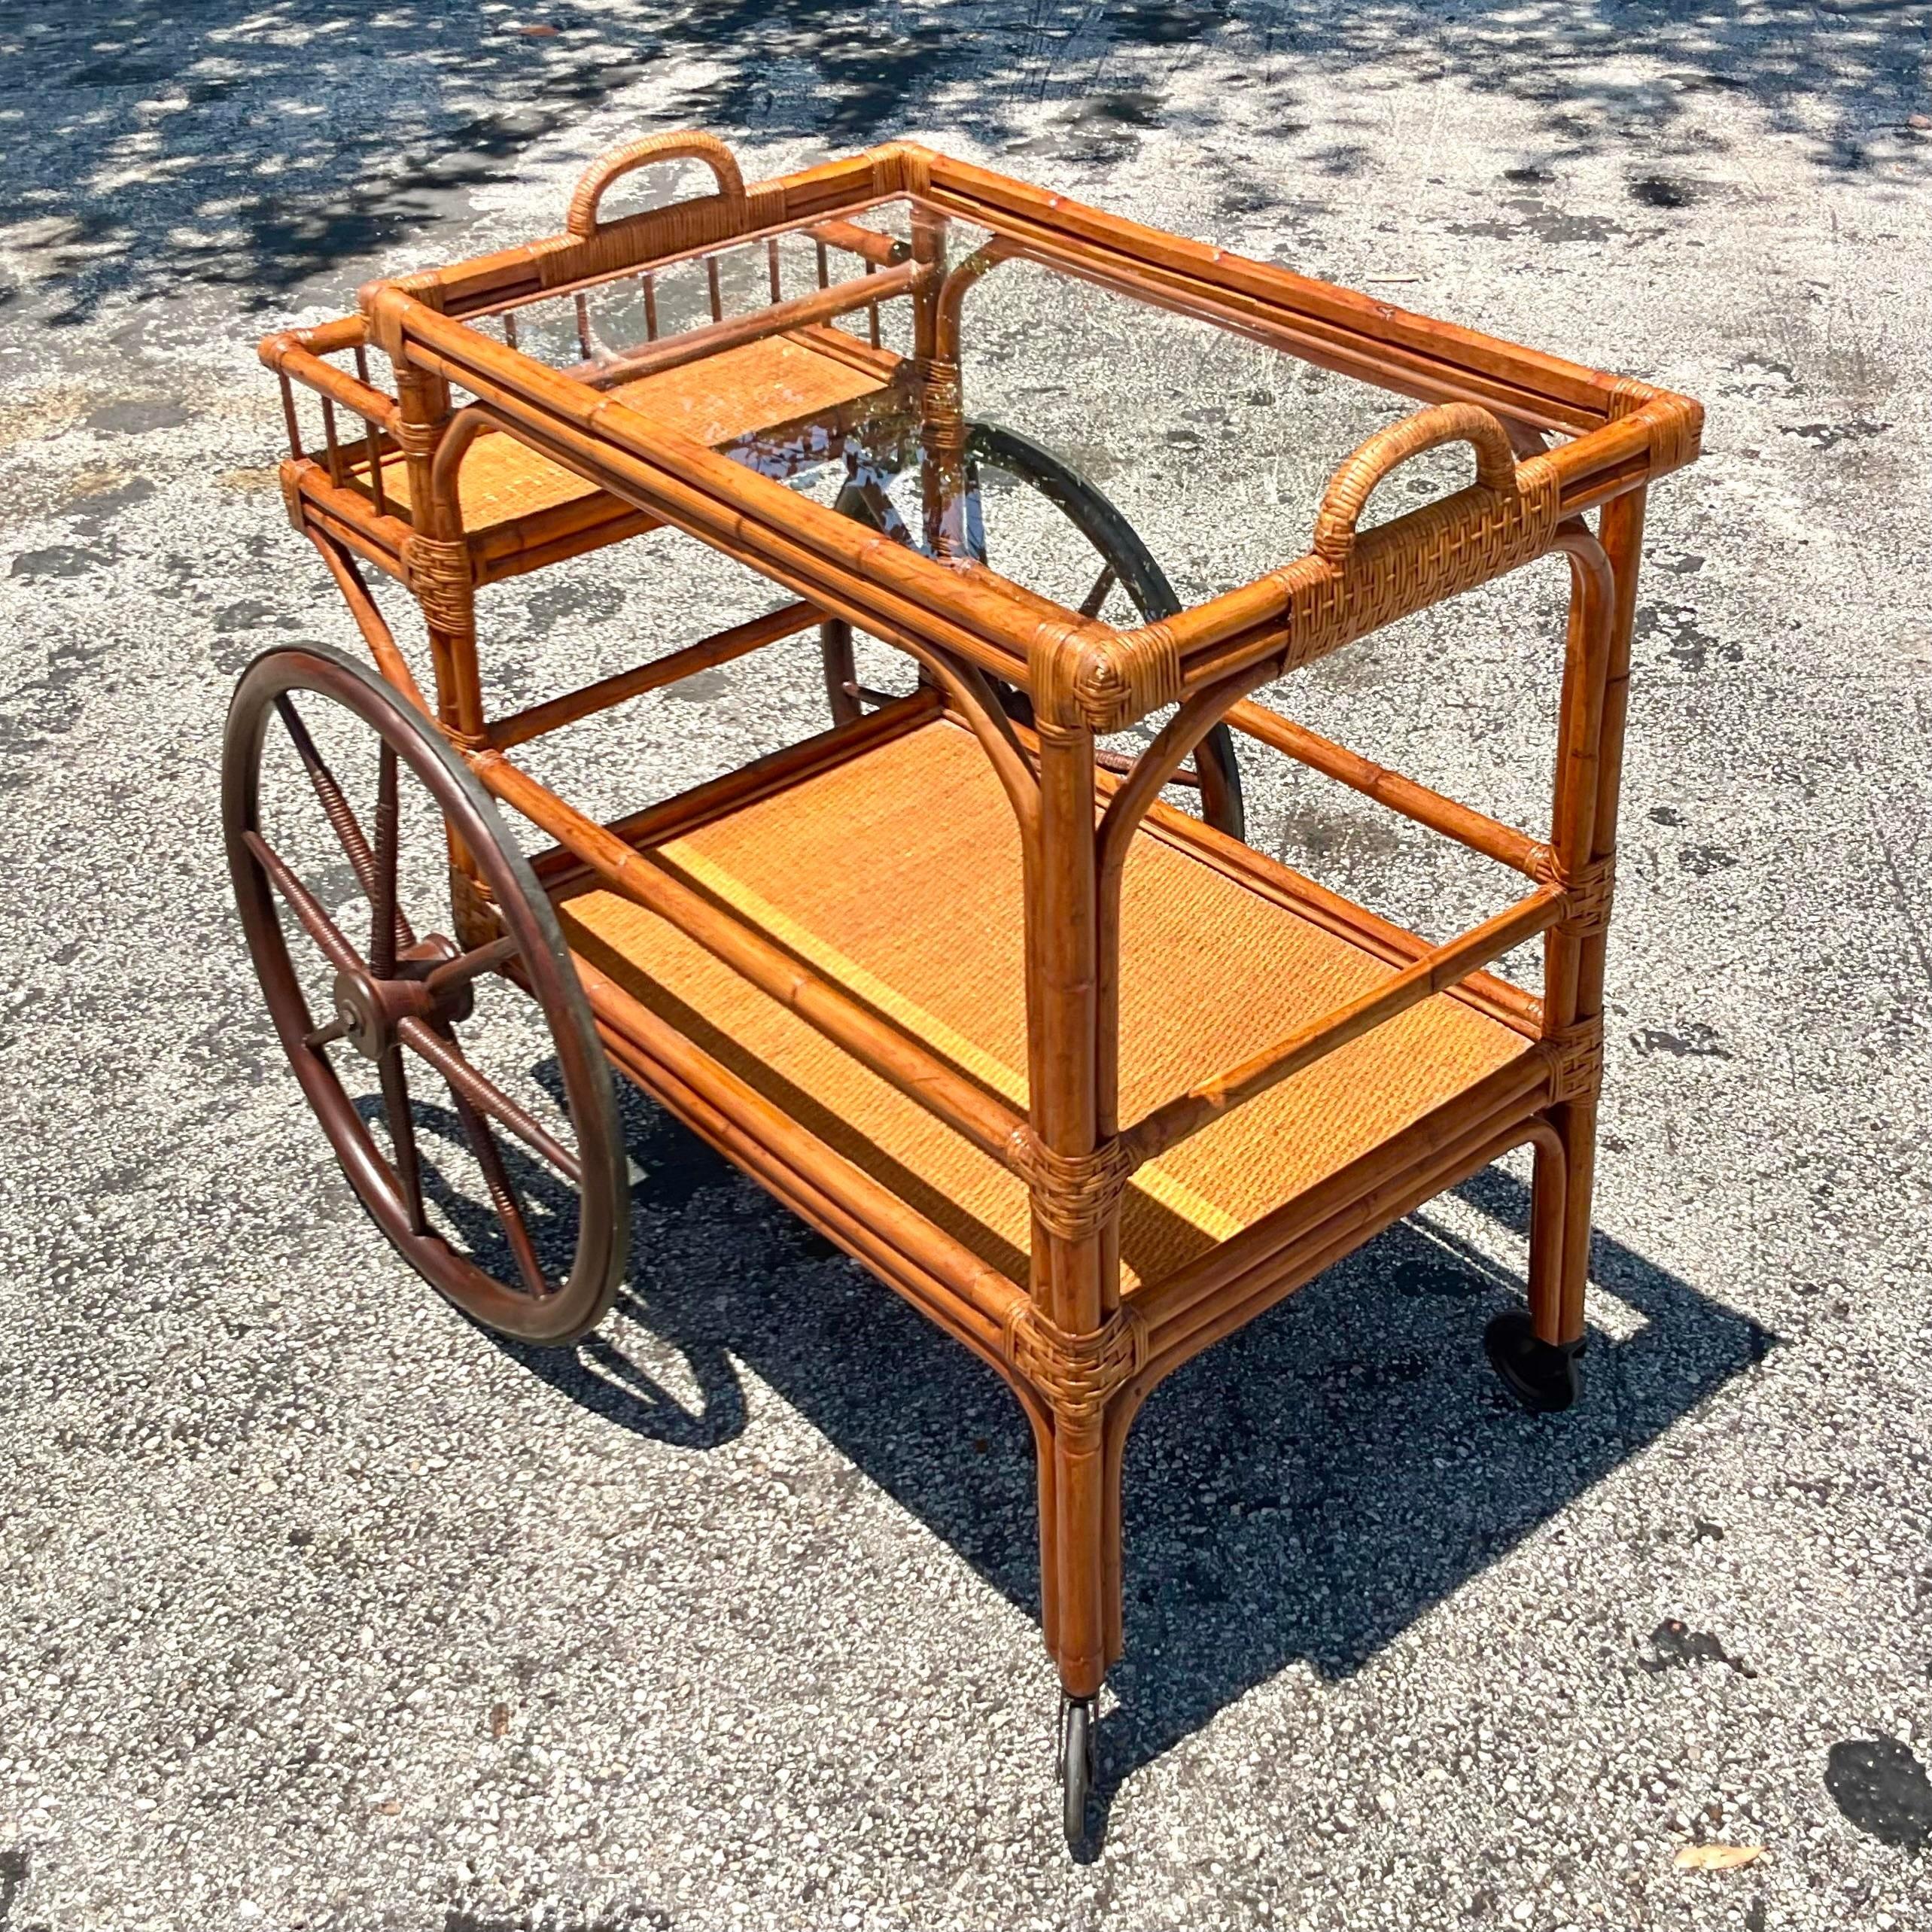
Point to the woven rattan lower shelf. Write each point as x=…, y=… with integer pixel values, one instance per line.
x=855, y=872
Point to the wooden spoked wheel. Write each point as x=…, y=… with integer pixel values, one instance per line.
x=1119, y=560
x=525, y=1226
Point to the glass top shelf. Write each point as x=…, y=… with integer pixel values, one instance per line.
x=1112, y=454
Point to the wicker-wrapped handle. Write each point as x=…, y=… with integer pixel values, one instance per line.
x=690, y=145
x=1349, y=488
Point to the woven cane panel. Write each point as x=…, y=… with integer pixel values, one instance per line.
x=756, y=386
x=500, y=481
x=898, y=877
x=759, y=385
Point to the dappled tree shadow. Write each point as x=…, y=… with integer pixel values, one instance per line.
x=253, y=147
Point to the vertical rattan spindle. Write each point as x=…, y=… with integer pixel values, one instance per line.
x=937, y=397
x=372, y=443
x=288, y=416
x=332, y=447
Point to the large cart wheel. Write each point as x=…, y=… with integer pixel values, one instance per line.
x=1125, y=561
x=539, y=1258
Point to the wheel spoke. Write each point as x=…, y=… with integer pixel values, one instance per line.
x=466, y=966
x=503, y=1192
x=385, y=922
x=440, y=1050
x=1090, y=605
x=315, y=922
x=402, y=1133
x=1121, y=765
x=336, y=810
x=326, y=1034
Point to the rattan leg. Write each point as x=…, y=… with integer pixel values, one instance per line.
x=1558, y=1309
x=1049, y=1510
x=1081, y=1537
x=1547, y=1234
x=1121, y=1412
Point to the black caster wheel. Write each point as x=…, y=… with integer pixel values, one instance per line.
x=1079, y=1721
x=1542, y=1377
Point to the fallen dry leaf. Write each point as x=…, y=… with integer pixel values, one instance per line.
x=389, y=1807
x=1717, y=1857
x=499, y=1719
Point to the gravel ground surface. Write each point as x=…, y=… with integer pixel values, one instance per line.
x=316, y=1608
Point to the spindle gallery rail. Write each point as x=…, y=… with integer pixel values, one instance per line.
x=927, y=974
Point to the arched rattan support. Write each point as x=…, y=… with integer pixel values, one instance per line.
x=446, y=467
x=1162, y=757
x=972, y=690
x=958, y=282
x=369, y=619
x=1189, y=726
x=1585, y=682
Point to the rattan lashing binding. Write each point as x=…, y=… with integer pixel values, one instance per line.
x=1073, y=1195
x=1589, y=894
x=1677, y=422
x=1076, y=1373
x=1575, y=1056
x=439, y=572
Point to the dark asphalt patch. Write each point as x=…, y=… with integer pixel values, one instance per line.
x=1881, y=1787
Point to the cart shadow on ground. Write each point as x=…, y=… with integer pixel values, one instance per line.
x=1300, y=1494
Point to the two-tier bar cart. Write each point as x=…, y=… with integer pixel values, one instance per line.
x=1077, y=1071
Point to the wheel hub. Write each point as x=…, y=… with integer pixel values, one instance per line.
x=369, y=1010
x=363, y=1015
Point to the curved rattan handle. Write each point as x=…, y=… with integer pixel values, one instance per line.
x=1349, y=488
x=690, y=146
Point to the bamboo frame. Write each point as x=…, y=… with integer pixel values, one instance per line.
x=801, y=312
x=539, y=720
x=1476, y=830
x=1439, y=968
x=1080, y=1353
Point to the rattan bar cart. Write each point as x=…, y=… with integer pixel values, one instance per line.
x=1077, y=1071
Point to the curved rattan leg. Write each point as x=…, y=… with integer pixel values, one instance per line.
x=1121, y=1411
x=1560, y=1319
x=1046, y=1489
x=1536, y=1351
